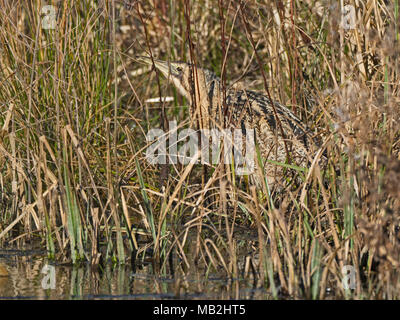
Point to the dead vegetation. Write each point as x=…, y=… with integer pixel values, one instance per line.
x=74, y=119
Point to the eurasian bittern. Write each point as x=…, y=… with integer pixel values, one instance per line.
x=280, y=135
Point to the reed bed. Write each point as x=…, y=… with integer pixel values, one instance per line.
x=75, y=111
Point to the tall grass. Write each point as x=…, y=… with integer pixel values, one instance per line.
x=74, y=119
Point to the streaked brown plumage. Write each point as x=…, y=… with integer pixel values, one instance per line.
x=278, y=139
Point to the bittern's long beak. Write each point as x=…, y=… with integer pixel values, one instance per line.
x=165, y=67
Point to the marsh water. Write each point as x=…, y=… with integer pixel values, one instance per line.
x=31, y=276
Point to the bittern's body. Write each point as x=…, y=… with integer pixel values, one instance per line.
x=280, y=135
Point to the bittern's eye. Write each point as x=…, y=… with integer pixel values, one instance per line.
x=179, y=69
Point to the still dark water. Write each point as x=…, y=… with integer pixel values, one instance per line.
x=30, y=276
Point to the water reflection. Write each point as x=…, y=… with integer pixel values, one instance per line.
x=25, y=281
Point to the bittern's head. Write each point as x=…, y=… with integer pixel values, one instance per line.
x=180, y=74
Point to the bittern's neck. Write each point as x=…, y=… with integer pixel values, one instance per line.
x=208, y=99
